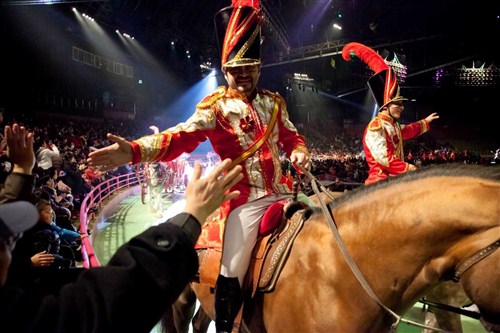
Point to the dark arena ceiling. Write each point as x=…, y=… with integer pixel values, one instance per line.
x=425, y=33
x=426, y=36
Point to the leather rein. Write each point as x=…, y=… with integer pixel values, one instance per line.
x=481, y=254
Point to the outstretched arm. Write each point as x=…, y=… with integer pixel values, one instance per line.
x=151, y=269
x=112, y=156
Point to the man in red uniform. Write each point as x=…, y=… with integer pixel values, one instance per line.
x=383, y=137
x=248, y=125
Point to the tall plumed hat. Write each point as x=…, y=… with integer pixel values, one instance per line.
x=384, y=83
x=238, y=32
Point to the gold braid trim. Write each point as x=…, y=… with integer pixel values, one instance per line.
x=245, y=46
x=258, y=143
x=210, y=99
x=233, y=20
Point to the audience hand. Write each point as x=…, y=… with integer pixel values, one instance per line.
x=20, y=148
x=42, y=259
x=112, y=156
x=205, y=195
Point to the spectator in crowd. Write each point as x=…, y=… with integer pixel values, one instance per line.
x=72, y=176
x=42, y=253
x=48, y=191
x=45, y=152
x=16, y=197
x=151, y=269
x=243, y=123
x=337, y=186
x=92, y=175
x=384, y=135
x=19, y=184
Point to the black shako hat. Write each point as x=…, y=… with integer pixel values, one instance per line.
x=239, y=33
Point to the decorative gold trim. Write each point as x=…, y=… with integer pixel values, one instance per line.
x=247, y=44
x=259, y=143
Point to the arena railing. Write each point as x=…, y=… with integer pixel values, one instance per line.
x=92, y=202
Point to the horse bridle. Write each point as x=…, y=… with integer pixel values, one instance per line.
x=474, y=259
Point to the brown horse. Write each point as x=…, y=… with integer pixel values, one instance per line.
x=449, y=295
x=405, y=235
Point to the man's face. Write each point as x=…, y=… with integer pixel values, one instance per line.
x=395, y=109
x=243, y=78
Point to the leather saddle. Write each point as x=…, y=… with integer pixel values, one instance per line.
x=279, y=227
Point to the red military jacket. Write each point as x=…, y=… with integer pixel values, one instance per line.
x=232, y=124
x=383, y=146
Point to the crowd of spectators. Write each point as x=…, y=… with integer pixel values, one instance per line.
x=41, y=292
x=63, y=178
x=62, y=146
x=339, y=159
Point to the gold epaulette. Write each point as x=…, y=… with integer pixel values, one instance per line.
x=269, y=93
x=210, y=99
x=374, y=125
x=272, y=94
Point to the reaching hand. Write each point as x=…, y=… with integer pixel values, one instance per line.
x=204, y=195
x=113, y=156
x=20, y=148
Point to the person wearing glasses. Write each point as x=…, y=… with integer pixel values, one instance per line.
x=383, y=137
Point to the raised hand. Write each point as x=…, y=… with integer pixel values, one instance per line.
x=204, y=195
x=112, y=156
x=20, y=148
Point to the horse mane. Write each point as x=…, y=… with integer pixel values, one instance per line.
x=435, y=170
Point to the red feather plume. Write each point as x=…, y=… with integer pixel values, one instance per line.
x=366, y=54
x=244, y=3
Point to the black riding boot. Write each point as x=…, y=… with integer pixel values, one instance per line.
x=228, y=298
